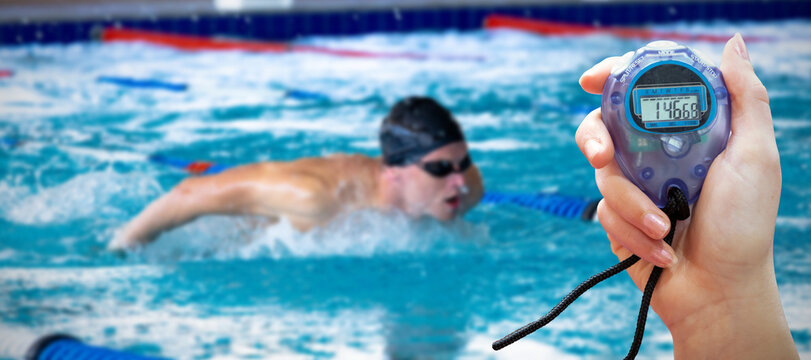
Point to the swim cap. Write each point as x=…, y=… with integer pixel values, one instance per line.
x=414, y=127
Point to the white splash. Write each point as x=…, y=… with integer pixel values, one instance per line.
x=359, y=234
x=83, y=196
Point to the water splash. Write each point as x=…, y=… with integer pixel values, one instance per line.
x=81, y=197
x=359, y=234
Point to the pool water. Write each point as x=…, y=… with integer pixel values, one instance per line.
x=368, y=285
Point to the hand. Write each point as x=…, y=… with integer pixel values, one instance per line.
x=126, y=238
x=718, y=294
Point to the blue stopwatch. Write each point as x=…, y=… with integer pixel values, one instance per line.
x=667, y=109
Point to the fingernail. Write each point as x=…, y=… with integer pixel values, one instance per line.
x=592, y=148
x=740, y=47
x=666, y=257
x=655, y=225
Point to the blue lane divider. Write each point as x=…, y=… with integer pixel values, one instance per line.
x=142, y=83
x=299, y=94
x=552, y=203
x=65, y=347
x=73, y=350
x=10, y=142
x=129, y=82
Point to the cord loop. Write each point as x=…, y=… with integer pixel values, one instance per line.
x=676, y=209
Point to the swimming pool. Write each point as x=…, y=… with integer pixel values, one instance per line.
x=368, y=285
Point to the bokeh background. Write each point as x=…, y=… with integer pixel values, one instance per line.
x=91, y=91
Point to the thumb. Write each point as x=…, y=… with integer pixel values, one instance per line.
x=751, y=122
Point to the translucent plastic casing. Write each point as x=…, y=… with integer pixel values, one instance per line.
x=658, y=158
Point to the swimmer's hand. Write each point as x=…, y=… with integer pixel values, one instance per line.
x=119, y=243
x=718, y=296
x=126, y=239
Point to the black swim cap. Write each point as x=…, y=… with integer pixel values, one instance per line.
x=414, y=127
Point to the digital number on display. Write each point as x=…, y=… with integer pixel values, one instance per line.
x=663, y=107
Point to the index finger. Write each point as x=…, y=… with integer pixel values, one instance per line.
x=594, y=79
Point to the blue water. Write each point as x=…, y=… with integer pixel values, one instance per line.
x=368, y=285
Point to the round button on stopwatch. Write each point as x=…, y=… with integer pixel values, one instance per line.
x=668, y=113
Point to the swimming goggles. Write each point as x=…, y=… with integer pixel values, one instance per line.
x=442, y=168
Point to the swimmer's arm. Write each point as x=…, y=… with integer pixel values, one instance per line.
x=475, y=187
x=255, y=189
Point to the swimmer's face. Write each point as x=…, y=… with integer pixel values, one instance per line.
x=438, y=196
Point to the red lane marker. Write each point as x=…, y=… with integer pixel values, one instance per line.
x=198, y=167
x=188, y=43
x=557, y=28
x=6, y=73
x=197, y=43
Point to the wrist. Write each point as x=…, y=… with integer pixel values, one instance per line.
x=747, y=322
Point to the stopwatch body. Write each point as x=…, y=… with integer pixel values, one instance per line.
x=667, y=110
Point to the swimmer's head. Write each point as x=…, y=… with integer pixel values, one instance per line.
x=414, y=127
x=425, y=155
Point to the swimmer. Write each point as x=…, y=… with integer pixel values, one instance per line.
x=718, y=295
x=425, y=171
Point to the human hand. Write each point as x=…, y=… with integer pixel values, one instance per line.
x=126, y=238
x=719, y=289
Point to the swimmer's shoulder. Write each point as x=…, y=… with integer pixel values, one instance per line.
x=356, y=160
x=338, y=163
x=355, y=174
x=328, y=169
x=337, y=159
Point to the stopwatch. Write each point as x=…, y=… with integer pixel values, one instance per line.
x=666, y=107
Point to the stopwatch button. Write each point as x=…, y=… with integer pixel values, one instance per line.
x=700, y=171
x=661, y=44
x=646, y=173
x=675, y=146
x=623, y=62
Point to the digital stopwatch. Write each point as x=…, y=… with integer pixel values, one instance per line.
x=667, y=109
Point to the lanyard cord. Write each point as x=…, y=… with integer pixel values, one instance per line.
x=675, y=209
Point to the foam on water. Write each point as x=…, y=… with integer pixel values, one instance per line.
x=135, y=322
x=480, y=346
x=800, y=223
x=85, y=277
x=360, y=234
x=83, y=196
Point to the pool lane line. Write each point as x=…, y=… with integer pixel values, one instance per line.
x=554, y=28
x=10, y=142
x=199, y=43
x=6, y=73
x=142, y=83
x=299, y=94
x=154, y=84
x=66, y=347
x=553, y=203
